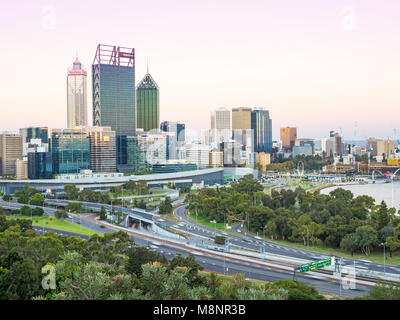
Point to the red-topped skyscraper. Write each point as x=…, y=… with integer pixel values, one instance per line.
x=76, y=96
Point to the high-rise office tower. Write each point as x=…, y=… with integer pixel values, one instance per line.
x=148, y=104
x=76, y=96
x=40, y=165
x=10, y=151
x=70, y=150
x=221, y=119
x=34, y=133
x=288, y=137
x=34, y=136
x=178, y=128
x=220, y=126
x=241, y=118
x=261, y=124
x=102, y=149
x=113, y=73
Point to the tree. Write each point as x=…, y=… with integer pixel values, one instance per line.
x=37, y=200
x=384, y=291
x=248, y=185
x=7, y=197
x=348, y=243
x=26, y=211
x=74, y=206
x=138, y=256
x=38, y=211
x=366, y=238
x=103, y=213
x=22, y=280
x=166, y=206
x=22, y=196
x=71, y=192
x=60, y=214
x=297, y=290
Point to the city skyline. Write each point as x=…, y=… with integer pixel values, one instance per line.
x=324, y=60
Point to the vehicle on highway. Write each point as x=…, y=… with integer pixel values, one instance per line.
x=102, y=226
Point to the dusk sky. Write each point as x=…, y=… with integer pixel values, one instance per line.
x=319, y=65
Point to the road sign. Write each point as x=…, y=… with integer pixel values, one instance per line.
x=314, y=265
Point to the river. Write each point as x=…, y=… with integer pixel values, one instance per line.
x=379, y=191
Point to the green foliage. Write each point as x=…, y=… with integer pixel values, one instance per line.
x=335, y=220
x=37, y=200
x=166, y=206
x=71, y=192
x=138, y=256
x=73, y=207
x=60, y=214
x=297, y=290
x=384, y=292
x=220, y=240
x=7, y=197
x=103, y=213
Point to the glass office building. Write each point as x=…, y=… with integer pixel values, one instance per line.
x=34, y=133
x=113, y=73
x=70, y=150
x=148, y=104
x=40, y=165
x=136, y=155
x=261, y=124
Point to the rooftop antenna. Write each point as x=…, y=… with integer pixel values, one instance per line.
x=147, y=65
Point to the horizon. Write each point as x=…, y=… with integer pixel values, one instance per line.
x=315, y=66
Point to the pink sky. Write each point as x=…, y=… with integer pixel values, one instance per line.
x=319, y=65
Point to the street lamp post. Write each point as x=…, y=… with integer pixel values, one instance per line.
x=384, y=256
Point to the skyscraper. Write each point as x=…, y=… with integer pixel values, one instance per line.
x=113, y=73
x=148, y=104
x=10, y=151
x=288, y=137
x=221, y=126
x=76, y=96
x=102, y=148
x=262, y=128
x=241, y=118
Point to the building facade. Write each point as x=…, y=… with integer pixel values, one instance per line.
x=21, y=169
x=113, y=75
x=288, y=137
x=77, y=96
x=241, y=118
x=148, y=104
x=70, y=150
x=216, y=159
x=40, y=165
x=10, y=151
x=103, y=151
x=261, y=124
x=221, y=129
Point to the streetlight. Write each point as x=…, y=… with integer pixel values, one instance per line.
x=384, y=256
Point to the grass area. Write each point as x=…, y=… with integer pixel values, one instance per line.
x=51, y=222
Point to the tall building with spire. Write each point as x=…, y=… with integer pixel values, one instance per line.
x=113, y=78
x=148, y=103
x=76, y=96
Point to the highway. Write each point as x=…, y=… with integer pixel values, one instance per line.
x=251, y=242
x=218, y=265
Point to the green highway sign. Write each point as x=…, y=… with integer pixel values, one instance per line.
x=315, y=265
